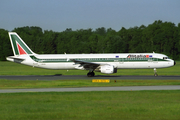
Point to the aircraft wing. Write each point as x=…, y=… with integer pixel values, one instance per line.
x=86, y=65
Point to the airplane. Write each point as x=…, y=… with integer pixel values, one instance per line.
x=104, y=63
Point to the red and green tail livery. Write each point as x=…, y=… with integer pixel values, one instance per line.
x=18, y=45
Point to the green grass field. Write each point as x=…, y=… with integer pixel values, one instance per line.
x=115, y=105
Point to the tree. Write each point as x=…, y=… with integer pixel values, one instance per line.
x=123, y=33
x=32, y=36
x=5, y=46
x=101, y=31
x=50, y=42
x=160, y=37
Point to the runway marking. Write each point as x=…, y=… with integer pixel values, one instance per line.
x=101, y=80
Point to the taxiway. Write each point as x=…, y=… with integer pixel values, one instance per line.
x=84, y=77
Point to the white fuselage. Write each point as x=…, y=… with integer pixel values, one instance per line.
x=118, y=60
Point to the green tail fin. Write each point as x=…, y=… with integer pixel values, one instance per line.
x=18, y=45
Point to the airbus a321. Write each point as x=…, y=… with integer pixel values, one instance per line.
x=104, y=63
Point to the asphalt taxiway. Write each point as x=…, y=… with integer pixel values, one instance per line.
x=84, y=77
x=83, y=89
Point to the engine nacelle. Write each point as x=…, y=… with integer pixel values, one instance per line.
x=108, y=69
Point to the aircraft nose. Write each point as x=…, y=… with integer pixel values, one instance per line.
x=174, y=63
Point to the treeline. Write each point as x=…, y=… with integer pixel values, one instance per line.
x=160, y=37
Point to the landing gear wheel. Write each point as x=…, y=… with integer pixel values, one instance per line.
x=90, y=74
x=155, y=72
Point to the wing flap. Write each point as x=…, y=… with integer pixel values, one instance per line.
x=86, y=65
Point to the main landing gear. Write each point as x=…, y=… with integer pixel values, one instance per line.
x=155, y=72
x=90, y=74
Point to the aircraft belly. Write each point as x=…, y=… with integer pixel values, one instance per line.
x=62, y=66
x=132, y=65
x=69, y=66
x=139, y=65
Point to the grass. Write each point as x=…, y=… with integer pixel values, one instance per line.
x=105, y=105
x=14, y=84
x=10, y=68
x=124, y=105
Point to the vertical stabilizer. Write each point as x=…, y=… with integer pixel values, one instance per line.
x=18, y=45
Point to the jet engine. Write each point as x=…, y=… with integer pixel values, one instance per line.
x=108, y=69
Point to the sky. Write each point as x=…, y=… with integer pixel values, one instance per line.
x=58, y=15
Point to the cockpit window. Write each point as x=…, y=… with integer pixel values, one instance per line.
x=165, y=58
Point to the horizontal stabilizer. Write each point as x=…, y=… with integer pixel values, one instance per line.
x=14, y=59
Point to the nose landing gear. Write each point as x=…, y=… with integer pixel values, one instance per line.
x=155, y=72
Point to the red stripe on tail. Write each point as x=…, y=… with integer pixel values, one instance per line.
x=21, y=51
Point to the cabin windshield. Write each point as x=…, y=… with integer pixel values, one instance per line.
x=165, y=58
